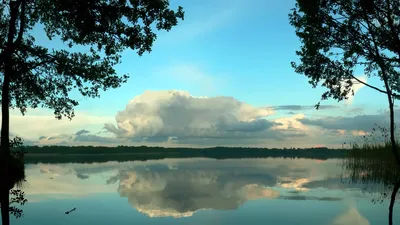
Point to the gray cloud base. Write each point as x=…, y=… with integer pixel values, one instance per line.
x=361, y=122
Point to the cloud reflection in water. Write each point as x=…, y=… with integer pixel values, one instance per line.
x=180, y=187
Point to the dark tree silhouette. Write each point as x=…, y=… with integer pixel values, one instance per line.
x=340, y=35
x=33, y=75
x=16, y=175
x=16, y=178
x=91, y=154
x=396, y=188
x=17, y=197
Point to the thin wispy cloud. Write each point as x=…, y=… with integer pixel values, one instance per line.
x=304, y=107
x=41, y=122
x=189, y=76
x=350, y=123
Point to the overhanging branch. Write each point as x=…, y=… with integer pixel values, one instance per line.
x=373, y=87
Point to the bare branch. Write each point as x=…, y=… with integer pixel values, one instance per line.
x=373, y=87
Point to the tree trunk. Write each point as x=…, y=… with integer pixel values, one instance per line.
x=5, y=214
x=392, y=200
x=392, y=134
x=396, y=156
x=5, y=150
x=394, y=149
x=7, y=58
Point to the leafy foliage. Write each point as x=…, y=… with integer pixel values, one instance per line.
x=16, y=143
x=32, y=75
x=45, y=77
x=17, y=196
x=340, y=36
x=17, y=177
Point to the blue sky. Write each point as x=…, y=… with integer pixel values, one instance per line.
x=241, y=49
x=236, y=49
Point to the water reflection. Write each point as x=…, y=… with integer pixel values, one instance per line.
x=352, y=216
x=371, y=172
x=376, y=175
x=177, y=193
x=182, y=188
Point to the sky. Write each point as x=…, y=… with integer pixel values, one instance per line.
x=220, y=77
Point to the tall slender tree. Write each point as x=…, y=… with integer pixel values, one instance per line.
x=33, y=75
x=339, y=36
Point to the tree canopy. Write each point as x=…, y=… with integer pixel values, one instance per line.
x=33, y=75
x=340, y=36
x=45, y=77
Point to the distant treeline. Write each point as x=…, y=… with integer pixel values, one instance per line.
x=89, y=154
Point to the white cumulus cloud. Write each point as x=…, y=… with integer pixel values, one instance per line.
x=159, y=115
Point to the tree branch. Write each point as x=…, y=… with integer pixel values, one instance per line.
x=392, y=28
x=13, y=201
x=11, y=28
x=35, y=65
x=373, y=87
x=22, y=22
x=367, y=27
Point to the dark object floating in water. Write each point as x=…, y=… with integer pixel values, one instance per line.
x=67, y=212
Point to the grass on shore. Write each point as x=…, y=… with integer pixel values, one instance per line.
x=379, y=151
x=372, y=164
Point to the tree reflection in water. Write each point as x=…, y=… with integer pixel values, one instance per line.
x=377, y=174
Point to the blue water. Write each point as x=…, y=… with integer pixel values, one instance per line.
x=198, y=191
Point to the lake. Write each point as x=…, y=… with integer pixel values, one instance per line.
x=200, y=191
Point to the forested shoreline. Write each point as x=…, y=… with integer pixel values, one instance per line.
x=89, y=154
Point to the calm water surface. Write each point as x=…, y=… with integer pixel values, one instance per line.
x=199, y=191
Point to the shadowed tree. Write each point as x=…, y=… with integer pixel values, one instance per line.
x=33, y=75
x=16, y=175
x=17, y=197
x=15, y=178
x=340, y=36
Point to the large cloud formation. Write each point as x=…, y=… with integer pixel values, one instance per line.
x=176, y=118
x=180, y=117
